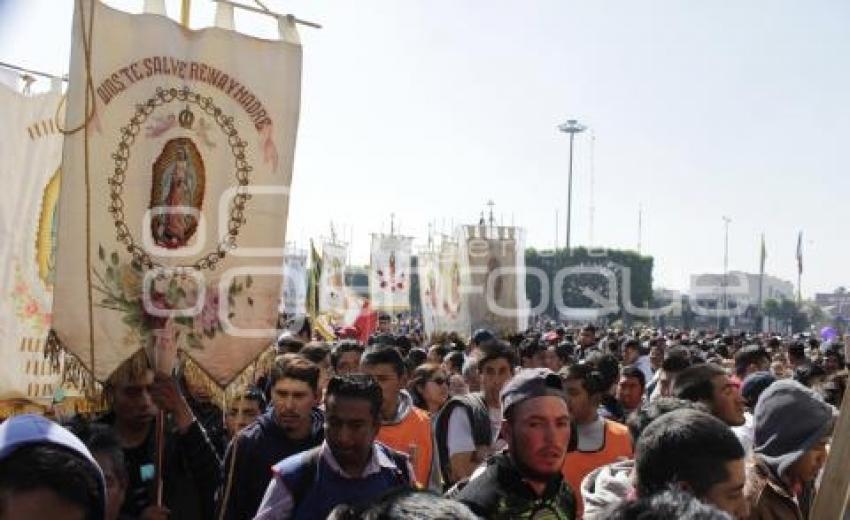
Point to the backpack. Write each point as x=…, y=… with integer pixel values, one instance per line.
x=479, y=420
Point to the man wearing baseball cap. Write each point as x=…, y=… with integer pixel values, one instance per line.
x=525, y=481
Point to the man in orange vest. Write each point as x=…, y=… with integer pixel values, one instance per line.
x=598, y=441
x=404, y=427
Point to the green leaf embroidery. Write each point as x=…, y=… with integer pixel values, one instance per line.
x=185, y=321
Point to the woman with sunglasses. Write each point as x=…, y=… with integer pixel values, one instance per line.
x=429, y=387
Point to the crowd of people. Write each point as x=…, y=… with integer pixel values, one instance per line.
x=557, y=422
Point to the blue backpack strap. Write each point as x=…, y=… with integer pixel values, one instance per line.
x=298, y=473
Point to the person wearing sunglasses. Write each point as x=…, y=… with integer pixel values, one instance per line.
x=429, y=387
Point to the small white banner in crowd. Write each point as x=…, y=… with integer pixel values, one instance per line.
x=333, y=294
x=294, y=300
x=452, y=302
x=389, y=273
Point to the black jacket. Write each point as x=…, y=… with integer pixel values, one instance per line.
x=191, y=476
x=257, y=448
x=499, y=492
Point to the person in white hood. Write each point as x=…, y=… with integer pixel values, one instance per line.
x=47, y=473
x=609, y=485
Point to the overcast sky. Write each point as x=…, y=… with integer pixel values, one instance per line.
x=428, y=108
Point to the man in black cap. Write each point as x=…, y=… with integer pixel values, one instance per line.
x=525, y=481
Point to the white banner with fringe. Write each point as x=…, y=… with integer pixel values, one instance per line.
x=175, y=191
x=30, y=155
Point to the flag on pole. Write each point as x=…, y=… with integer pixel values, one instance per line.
x=800, y=253
x=763, y=255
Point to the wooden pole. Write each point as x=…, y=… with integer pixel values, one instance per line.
x=831, y=499
x=159, y=425
x=185, y=9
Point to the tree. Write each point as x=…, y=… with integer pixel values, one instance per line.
x=787, y=313
x=577, y=288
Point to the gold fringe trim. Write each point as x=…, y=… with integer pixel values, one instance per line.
x=93, y=393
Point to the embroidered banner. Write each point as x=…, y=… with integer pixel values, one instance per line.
x=175, y=195
x=30, y=155
x=496, y=278
x=294, y=301
x=333, y=295
x=389, y=273
x=452, y=310
x=428, y=270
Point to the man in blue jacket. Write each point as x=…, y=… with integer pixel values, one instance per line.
x=293, y=424
x=350, y=467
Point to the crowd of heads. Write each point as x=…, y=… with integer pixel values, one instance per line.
x=683, y=395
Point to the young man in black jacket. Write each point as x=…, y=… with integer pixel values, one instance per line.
x=192, y=470
x=525, y=480
x=293, y=425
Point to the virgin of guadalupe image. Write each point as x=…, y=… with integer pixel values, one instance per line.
x=451, y=300
x=177, y=193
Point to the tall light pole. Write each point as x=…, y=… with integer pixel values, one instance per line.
x=571, y=127
x=726, y=221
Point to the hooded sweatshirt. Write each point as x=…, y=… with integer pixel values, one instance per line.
x=410, y=432
x=789, y=420
x=606, y=487
x=25, y=430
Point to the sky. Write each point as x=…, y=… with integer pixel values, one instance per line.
x=427, y=109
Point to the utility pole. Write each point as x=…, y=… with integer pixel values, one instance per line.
x=640, y=226
x=592, y=181
x=726, y=221
x=571, y=127
x=556, y=230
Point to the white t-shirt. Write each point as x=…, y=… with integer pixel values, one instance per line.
x=745, y=433
x=459, y=436
x=591, y=437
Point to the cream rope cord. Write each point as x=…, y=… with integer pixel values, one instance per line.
x=90, y=95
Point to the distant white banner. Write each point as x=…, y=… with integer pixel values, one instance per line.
x=496, y=278
x=294, y=299
x=389, y=273
x=452, y=310
x=333, y=296
x=429, y=271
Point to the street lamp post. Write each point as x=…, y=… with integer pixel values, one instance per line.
x=726, y=221
x=571, y=127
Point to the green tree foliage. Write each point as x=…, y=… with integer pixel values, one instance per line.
x=575, y=287
x=787, y=313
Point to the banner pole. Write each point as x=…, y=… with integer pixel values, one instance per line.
x=185, y=8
